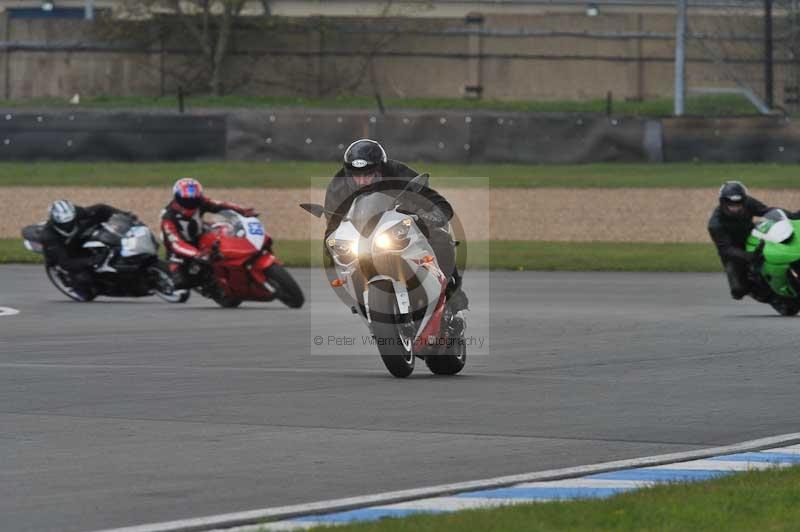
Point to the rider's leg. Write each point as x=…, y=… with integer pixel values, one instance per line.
x=738, y=279
x=444, y=248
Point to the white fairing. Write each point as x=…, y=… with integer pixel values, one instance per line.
x=138, y=241
x=418, y=256
x=36, y=247
x=255, y=231
x=777, y=228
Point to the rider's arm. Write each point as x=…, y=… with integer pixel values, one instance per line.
x=210, y=205
x=725, y=247
x=756, y=207
x=336, y=196
x=177, y=244
x=100, y=212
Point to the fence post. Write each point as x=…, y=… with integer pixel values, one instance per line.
x=474, y=88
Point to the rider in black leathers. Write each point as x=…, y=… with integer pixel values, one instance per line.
x=729, y=226
x=63, y=238
x=366, y=168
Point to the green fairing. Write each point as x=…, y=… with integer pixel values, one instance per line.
x=777, y=258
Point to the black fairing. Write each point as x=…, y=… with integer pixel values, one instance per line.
x=33, y=232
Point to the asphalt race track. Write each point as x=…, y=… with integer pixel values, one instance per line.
x=121, y=412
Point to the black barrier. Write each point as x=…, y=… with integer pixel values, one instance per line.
x=451, y=136
x=293, y=135
x=744, y=139
x=440, y=136
x=113, y=136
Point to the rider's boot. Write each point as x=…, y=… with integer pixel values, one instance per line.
x=456, y=298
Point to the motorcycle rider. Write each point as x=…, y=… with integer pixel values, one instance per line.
x=62, y=239
x=729, y=226
x=182, y=225
x=366, y=168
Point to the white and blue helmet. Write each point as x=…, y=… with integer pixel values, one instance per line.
x=63, y=217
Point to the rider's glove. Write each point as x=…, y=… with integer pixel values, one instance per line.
x=433, y=218
x=249, y=211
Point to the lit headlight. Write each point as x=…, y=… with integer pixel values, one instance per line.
x=396, y=237
x=345, y=250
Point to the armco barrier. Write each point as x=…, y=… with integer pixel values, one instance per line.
x=445, y=136
x=745, y=139
x=67, y=136
x=436, y=136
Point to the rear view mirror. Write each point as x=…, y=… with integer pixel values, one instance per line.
x=421, y=180
x=313, y=208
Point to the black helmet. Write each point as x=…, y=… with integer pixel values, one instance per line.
x=732, y=197
x=63, y=216
x=364, y=157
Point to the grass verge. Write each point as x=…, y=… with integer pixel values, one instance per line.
x=705, y=105
x=755, y=500
x=510, y=255
x=295, y=174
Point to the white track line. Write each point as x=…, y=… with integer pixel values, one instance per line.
x=258, y=517
x=8, y=311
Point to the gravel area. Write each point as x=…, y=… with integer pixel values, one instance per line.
x=623, y=215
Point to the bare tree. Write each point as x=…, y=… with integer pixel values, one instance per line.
x=203, y=31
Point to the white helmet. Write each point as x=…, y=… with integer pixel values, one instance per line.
x=63, y=217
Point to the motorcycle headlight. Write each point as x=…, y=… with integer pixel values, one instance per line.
x=396, y=237
x=344, y=250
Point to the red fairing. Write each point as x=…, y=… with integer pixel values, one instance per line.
x=177, y=244
x=262, y=263
x=241, y=270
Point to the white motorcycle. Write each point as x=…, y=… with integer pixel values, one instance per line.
x=127, y=263
x=385, y=269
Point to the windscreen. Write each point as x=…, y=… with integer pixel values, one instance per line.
x=775, y=215
x=119, y=224
x=228, y=223
x=367, y=209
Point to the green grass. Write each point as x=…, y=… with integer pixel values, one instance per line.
x=755, y=500
x=293, y=174
x=706, y=105
x=511, y=255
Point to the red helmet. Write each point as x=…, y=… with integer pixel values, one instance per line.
x=188, y=193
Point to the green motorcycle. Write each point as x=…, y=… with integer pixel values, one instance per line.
x=777, y=279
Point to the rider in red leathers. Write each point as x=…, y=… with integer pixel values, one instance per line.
x=182, y=225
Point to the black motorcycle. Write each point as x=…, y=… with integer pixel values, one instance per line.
x=126, y=262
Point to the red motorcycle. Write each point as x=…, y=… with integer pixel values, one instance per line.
x=242, y=266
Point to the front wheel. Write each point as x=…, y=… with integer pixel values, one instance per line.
x=164, y=285
x=61, y=280
x=286, y=289
x=394, y=344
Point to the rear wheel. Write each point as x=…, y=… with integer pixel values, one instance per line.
x=61, y=280
x=227, y=301
x=786, y=308
x=394, y=342
x=164, y=285
x=286, y=289
x=450, y=362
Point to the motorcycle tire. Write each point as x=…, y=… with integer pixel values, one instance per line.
x=65, y=288
x=449, y=363
x=786, y=308
x=227, y=302
x=396, y=352
x=287, y=291
x=165, y=287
